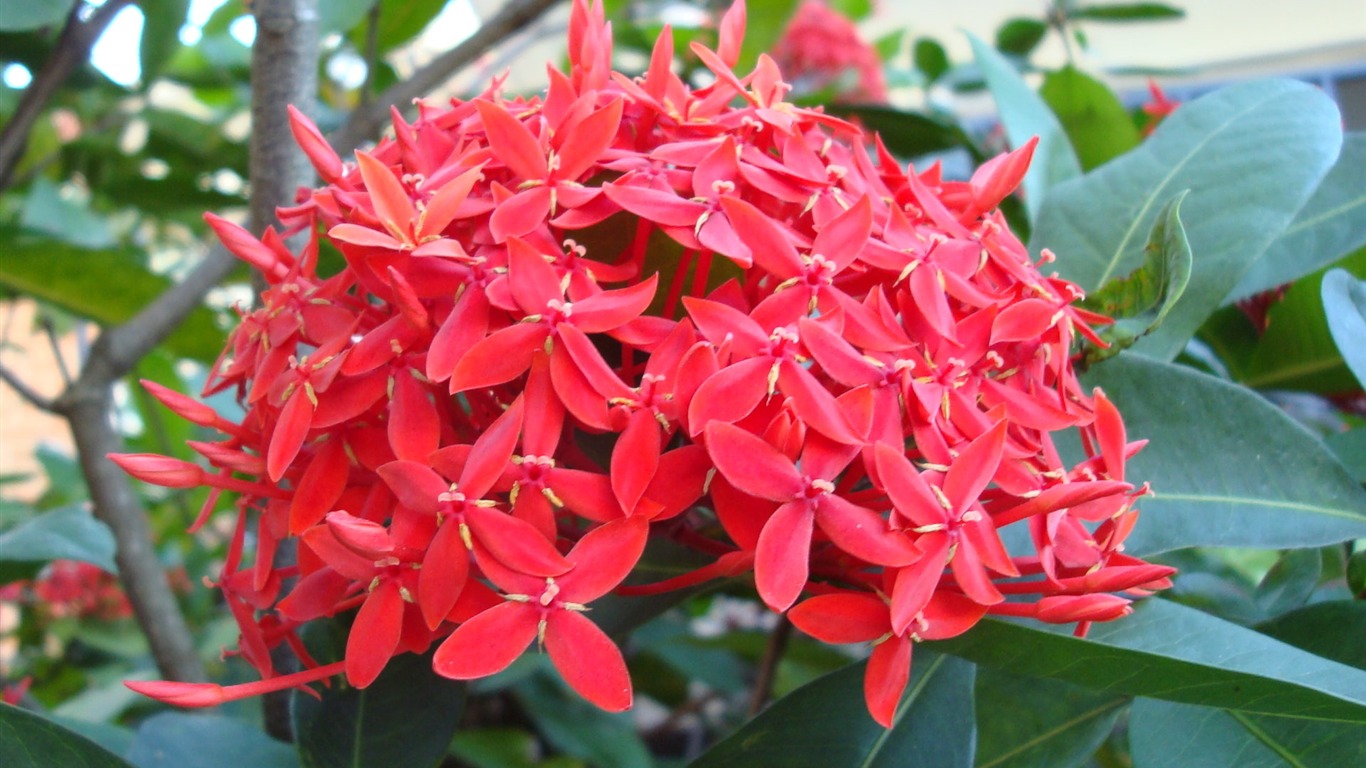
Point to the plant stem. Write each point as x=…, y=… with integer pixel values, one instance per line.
x=768, y=667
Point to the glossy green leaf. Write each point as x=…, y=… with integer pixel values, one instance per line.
x=1242, y=195
x=1126, y=12
x=1167, y=735
x=1356, y=573
x=1096, y=123
x=1051, y=724
x=1290, y=581
x=1344, y=302
x=162, y=20
x=107, y=285
x=406, y=717
x=1296, y=351
x=1019, y=37
x=399, y=22
x=907, y=134
x=1139, y=302
x=69, y=533
x=825, y=723
x=575, y=727
x=181, y=740
x=46, y=210
x=1171, y=652
x=930, y=58
x=33, y=14
x=1025, y=116
x=30, y=741
x=1330, y=225
x=1350, y=448
x=1227, y=467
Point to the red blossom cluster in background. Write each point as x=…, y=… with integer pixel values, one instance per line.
x=67, y=588
x=821, y=51
x=631, y=308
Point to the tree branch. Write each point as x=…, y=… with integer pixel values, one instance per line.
x=29, y=394
x=73, y=48
x=366, y=121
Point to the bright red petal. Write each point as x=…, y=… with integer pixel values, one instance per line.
x=487, y=643
x=588, y=659
x=781, y=560
x=374, y=635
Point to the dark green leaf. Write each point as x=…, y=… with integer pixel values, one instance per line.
x=1296, y=351
x=406, y=717
x=1140, y=301
x=1019, y=37
x=1127, y=12
x=1332, y=630
x=1167, y=735
x=107, y=285
x=1098, y=126
x=1242, y=195
x=1330, y=225
x=1227, y=467
x=826, y=723
x=1167, y=651
x=341, y=15
x=1344, y=302
x=30, y=741
x=180, y=740
x=907, y=134
x=162, y=20
x=930, y=58
x=604, y=739
x=33, y=14
x=502, y=748
x=69, y=533
x=1290, y=581
x=399, y=22
x=1025, y=116
x=1051, y=724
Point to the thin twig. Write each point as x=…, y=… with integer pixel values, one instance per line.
x=768, y=666
x=29, y=394
x=72, y=50
x=56, y=347
x=365, y=123
x=371, y=56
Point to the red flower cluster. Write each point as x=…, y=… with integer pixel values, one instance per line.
x=67, y=588
x=631, y=308
x=821, y=50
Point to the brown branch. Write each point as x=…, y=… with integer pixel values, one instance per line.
x=30, y=395
x=72, y=50
x=366, y=121
x=768, y=666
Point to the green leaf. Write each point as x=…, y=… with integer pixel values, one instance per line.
x=1051, y=724
x=1344, y=302
x=23, y=16
x=108, y=285
x=1167, y=735
x=1330, y=225
x=765, y=23
x=930, y=58
x=826, y=723
x=69, y=533
x=406, y=717
x=162, y=20
x=1025, y=116
x=1171, y=652
x=399, y=22
x=1350, y=448
x=342, y=15
x=1356, y=573
x=852, y=9
x=71, y=221
x=1296, y=351
x=1098, y=126
x=30, y=741
x=1127, y=12
x=1290, y=581
x=1251, y=154
x=180, y=740
x=1332, y=630
x=500, y=748
x=1140, y=301
x=1227, y=467
x=1019, y=37
x=907, y=134
x=604, y=739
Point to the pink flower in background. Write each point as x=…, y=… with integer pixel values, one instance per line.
x=822, y=52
